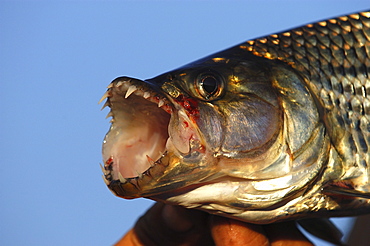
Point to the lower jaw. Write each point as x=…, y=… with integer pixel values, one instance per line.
x=129, y=188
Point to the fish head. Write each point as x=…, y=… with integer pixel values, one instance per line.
x=223, y=134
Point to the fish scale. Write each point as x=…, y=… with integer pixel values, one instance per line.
x=334, y=58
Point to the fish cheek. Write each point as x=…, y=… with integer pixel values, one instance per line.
x=250, y=124
x=210, y=125
x=300, y=109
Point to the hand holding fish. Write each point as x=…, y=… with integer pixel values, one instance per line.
x=172, y=225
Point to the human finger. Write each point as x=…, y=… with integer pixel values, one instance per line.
x=286, y=234
x=229, y=232
x=169, y=225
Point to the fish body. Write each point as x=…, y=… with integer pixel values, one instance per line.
x=276, y=128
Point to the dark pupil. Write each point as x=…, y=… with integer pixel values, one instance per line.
x=209, y=85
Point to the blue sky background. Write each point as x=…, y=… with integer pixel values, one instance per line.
x=56, y=59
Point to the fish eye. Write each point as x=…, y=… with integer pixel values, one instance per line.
x=209, y=85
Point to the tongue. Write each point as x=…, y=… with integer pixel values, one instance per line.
x=132, y=154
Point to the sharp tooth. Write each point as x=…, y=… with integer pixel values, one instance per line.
x=146, y=95
x=147, y=173
x=139, y=175
x=105, y=180
x=110, y=114
x=150, y=160
x=103, y=170
x=130, y=90
x=119, y=84
x=105, y=105
x=121, y=178
x=160, y=103
x=111, y=121
x=110, y=85
x=106, y=94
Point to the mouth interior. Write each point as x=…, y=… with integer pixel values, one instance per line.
x=138, y=134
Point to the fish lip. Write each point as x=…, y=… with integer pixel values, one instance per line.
x=124, y=87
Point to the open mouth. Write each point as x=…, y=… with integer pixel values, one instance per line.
x=139, y=131
x=143, y=130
